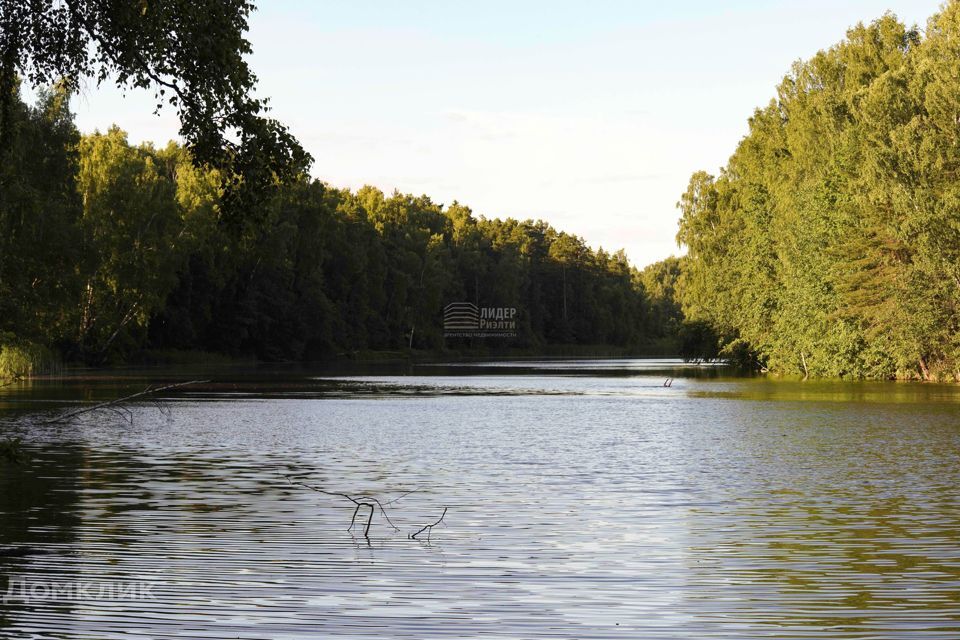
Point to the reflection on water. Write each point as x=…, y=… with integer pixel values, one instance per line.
x=585, y=500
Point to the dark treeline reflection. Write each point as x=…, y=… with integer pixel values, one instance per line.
x=39, y=516
x=108, y=249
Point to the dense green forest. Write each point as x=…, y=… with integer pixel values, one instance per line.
x=829, y=245
x=110, y=251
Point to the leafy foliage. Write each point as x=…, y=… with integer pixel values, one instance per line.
x=829, y=245
x=190, y=52
x=111, y=249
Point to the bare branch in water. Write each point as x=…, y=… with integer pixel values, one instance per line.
x=370, y=502
x=116, y=405
x=429, y=527
x=402, y=495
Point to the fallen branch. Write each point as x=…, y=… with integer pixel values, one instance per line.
x=115, y=405
x=360, y=501
x=429, y=527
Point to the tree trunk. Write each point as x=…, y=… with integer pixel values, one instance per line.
x=564, y=269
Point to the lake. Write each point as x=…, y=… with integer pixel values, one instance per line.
x=584, y=499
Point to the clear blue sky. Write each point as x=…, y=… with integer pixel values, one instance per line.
x=590, y=115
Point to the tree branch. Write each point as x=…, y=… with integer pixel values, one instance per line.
x=113, y=405
x=429, y=527
x=371, y=502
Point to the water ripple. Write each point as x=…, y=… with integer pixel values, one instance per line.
x=575, y=511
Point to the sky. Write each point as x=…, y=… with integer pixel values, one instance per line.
x=589, y=115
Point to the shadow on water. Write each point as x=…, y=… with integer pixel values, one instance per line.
x=763, y=389
x=39, y=515
x=837, y=523
x=353, y=379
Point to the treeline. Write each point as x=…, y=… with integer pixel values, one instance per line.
x=109, y=250
x=829, y=245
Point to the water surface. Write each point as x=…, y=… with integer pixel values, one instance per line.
x=585, y=500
